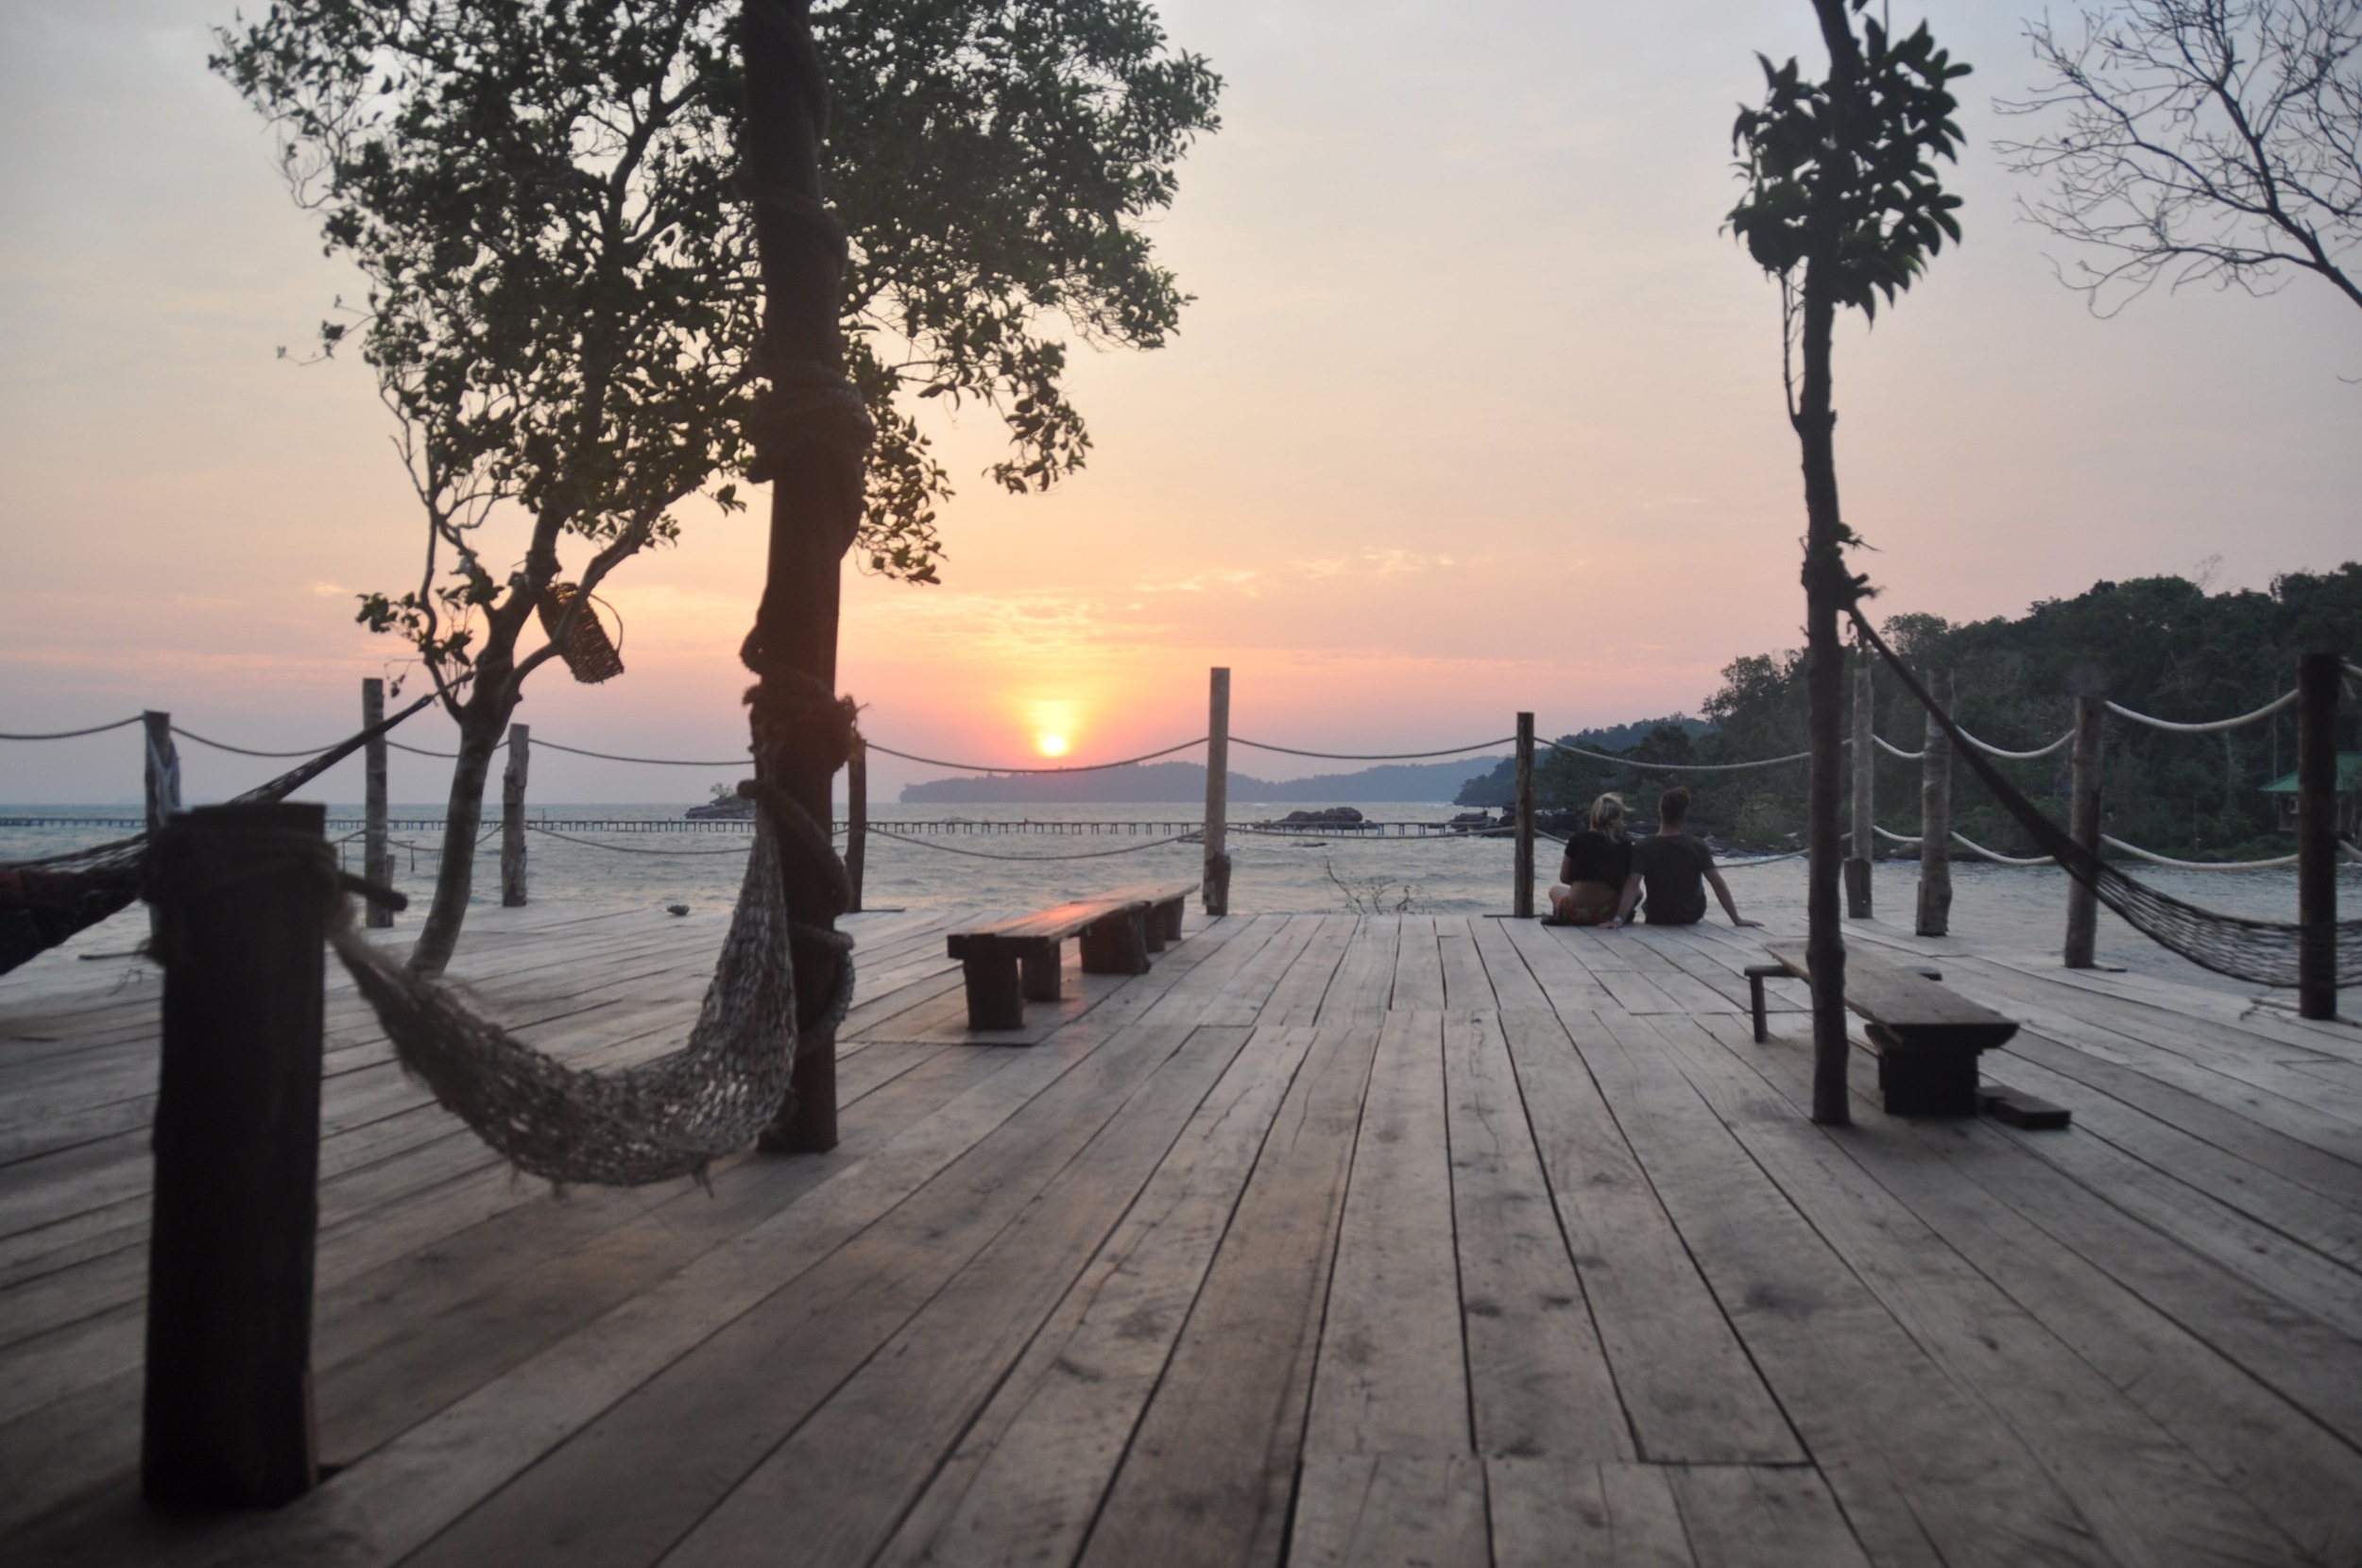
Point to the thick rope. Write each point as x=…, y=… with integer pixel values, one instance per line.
x=1376, y=756
x=70, y=734
x=1079, y=855
x=1674, y=767
x=2210, y=725
x=1077, y=767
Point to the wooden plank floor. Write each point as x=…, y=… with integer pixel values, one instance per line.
x=1393, y=1240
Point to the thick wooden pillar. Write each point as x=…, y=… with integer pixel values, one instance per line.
x=2090, y=755
x=513, y=816
x=377, y=857
x=1864, y=842
x=240, y=901
x=1521, y=894
x=2317, y=677
x=1216, y=890
x=1935, y=816
x=810, y=452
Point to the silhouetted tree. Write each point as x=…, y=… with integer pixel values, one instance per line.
x=1844, y=209
x=2203, y=141
x=563, y=300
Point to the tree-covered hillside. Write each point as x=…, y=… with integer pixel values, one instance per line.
x=2158, y=645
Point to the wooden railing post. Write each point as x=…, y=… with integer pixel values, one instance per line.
x=1935, y=816
x=2089, y=754
x=377, y=859
x=1521, y=896
x=160, y=777
x=240, y=898
x=2318, y=678
x=1216, y=890
x=513, y=816
x=1865, y=788
x=856, y=818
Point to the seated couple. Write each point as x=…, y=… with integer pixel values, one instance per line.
x=1604, y=873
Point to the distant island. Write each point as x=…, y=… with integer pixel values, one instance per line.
x=1159, y=783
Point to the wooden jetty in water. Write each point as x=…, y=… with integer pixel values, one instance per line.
x=1328, y=1240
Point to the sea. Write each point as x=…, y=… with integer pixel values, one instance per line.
x=1003, y=866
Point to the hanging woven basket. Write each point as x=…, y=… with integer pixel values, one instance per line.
x=589, y=653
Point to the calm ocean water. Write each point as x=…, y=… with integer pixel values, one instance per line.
x=1994, y=908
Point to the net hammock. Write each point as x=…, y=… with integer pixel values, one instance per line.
x=670, y=1116
x=2261, y=952
x=48, y=900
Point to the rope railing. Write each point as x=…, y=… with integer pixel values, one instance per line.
x=72, y=734
x=1077, y=767
x=2207, y=726
x=1078, y=855
x=1374, y=755
x=1671, y=767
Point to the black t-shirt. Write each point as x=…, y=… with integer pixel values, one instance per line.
x=1593, y=857
x=1673, y=871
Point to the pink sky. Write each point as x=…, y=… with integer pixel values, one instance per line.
x=1476, y=411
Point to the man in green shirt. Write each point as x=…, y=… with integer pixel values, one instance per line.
x=1675, y=869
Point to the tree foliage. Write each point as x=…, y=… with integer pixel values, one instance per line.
x=561, y=305
x=1843, y=165
x=2200, y=141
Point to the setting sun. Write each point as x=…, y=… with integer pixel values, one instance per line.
x=1051, y=745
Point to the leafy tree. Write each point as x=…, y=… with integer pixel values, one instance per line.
x=1844, y=209
x=2200, y=141
x=563, y=300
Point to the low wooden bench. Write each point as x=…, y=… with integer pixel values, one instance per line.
x=1011, y=962
x=1165, y=901
x=1925, y=1037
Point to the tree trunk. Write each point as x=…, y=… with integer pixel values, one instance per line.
x=481, y=720
x=815, y=492
x=1828, y=588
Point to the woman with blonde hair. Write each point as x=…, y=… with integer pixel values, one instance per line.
x=1592, y=873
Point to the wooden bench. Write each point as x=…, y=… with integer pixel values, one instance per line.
x=1165, y=901
x=1011, y=962
x=1926, y=1038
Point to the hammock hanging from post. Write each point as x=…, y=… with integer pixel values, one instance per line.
x=2261, y=952
x=47, y=900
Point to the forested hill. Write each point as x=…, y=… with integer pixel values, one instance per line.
x=2159, y=645
x=1153, y=783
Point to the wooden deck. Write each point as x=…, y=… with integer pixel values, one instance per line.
x=1404, y=1240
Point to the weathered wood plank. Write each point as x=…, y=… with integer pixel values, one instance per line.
x=1211, y=1470
x=1540, y=1384
x=1691, y=1392
x=1391, y=1511
x=1392, y=1374
x=1025, y=1482
x=1559, y=1514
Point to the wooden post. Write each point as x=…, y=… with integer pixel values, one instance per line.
x=2082, y=912
x=161, y=776
x=856, y=818
x=513, y=817
x=1521, y=896
x=1935, y=816
x=1865, y=787
x=2317, y=677
x=377, y=859
x=1216, y=890
x=240, y=899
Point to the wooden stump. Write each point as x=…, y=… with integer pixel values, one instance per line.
x=241, y=907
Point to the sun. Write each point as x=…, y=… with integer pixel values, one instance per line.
x=1051, y=745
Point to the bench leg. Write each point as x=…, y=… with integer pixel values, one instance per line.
x=1755, y=1000
x=1153, y=928
x=1927, y=1082
x=995, y=1000
x=1040, y=969
x=1117, y=946
x=1172, y=914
